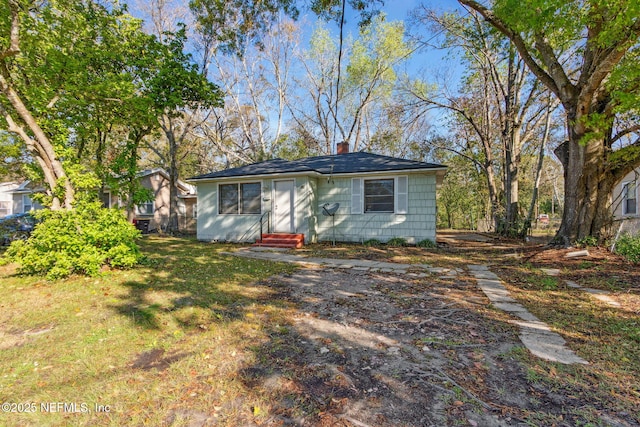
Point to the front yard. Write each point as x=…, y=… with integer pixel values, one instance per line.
x=196, y=337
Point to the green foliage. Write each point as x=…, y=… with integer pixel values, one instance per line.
x=373, y=242
x=426, y=243
x=587, y=241
x=80, y=241
x=629, y=247
x=10, y=156
x=379, y=48
x=397, y=241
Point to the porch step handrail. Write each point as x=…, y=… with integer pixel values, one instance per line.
x=268, y=215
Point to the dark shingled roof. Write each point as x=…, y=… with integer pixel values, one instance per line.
x=360, y=162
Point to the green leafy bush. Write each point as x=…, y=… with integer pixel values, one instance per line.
x=629, y=247
x=80, y=241
x=397, y=241
x=372, y=242
x=426, y=243
x=587, y=242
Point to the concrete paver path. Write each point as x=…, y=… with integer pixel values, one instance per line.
x=598, y=294
x=536, y=335
x=355, y=264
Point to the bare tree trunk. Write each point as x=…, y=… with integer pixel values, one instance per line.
x=536, y=185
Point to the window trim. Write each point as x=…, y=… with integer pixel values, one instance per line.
x=625, y=193
x=358, y=195
x=238, y=185
x=393, y=195
x=24, y=205
x=8, y=208
x=145, y=213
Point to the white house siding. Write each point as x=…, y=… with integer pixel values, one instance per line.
x=18, y=203
x=414, y=226
x=303, y=200
x=6, y=198
x=312, y=221
x=624, y=222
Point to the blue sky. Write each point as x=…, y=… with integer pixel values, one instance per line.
x=427, y=63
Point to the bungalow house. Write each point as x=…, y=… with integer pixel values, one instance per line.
x=154, y=215
x=626, y=210
x=352, y=197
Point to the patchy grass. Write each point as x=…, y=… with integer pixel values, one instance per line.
x=185, y=339
x=608, y=337
x=153, y=346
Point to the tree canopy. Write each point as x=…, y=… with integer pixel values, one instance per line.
x=586, y=53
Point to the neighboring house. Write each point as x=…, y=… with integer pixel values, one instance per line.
x=379, y=198
x=626, y=204
x=6, y=198
x=15, y=198
x=154, y=215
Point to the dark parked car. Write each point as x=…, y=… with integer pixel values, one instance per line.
x=16, y=227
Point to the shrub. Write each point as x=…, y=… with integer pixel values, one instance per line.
x=81, y=241
x=629, y=247
x=372, y=242
x=426, y=243
x=587, y=241
x=397, y=241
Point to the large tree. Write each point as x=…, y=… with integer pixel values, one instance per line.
x=586, y=53
x=69, y=71
x=500, y=104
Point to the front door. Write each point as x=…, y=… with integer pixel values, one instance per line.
x=283, y=206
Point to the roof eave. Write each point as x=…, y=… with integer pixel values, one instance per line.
x=256, y=176
x=438, y=170
x=441, y=170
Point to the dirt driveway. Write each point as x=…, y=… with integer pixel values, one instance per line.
x=372, y=349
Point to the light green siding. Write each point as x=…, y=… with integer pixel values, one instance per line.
x=417, y=224
x=231, y=228
x=246, y=228
x=310, y=194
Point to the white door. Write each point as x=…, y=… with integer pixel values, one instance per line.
x=283, y=206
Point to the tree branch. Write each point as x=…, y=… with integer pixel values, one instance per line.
x=517, y=40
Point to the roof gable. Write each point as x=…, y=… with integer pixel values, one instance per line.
x=349, y=163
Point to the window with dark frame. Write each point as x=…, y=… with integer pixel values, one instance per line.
x=147, y=208
x=379, y=195
x=241, y=199
x=629, y=200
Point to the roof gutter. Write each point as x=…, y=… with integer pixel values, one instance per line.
x=257, y=176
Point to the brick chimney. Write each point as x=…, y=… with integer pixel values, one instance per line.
x=342, y=148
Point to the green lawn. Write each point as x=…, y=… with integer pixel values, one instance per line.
x=140, y=347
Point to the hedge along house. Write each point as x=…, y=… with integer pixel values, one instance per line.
x=379, y=198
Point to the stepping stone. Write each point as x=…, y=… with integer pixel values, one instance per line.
x=537, y=336
x=551, y=271
x=572, y=284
